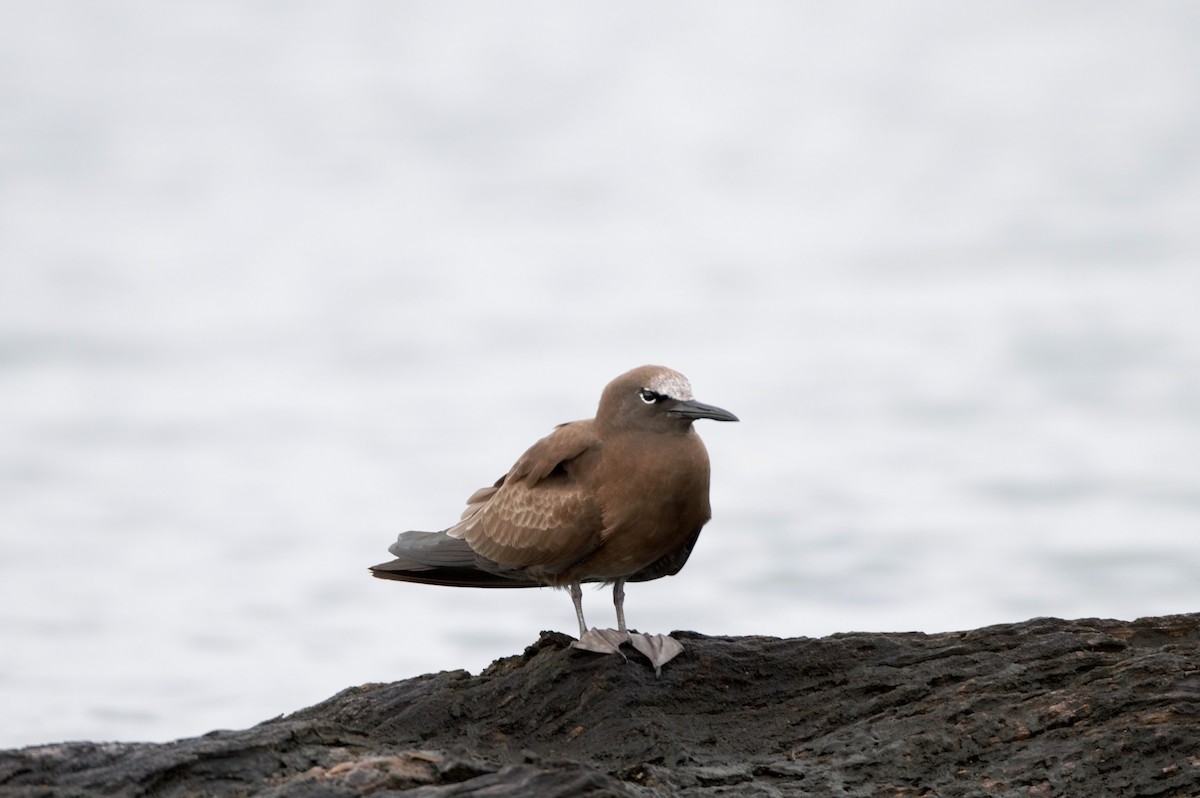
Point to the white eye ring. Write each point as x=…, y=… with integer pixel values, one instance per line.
x=649, y=396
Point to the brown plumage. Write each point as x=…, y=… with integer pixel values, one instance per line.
x=621, y=497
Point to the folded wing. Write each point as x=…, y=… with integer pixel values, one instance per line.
x=535, y=522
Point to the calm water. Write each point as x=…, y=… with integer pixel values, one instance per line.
x=278, y=281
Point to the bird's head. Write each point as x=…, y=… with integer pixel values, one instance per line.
x=654, y=398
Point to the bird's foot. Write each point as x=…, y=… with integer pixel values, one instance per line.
x=659, y=649
x=602, y=641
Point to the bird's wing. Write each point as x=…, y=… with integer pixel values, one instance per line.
x=438, y=559
x=541, y=514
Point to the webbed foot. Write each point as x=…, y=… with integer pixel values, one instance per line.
x=601, y=641
x=659, y=649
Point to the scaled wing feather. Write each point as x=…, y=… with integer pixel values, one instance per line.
x=538, y=515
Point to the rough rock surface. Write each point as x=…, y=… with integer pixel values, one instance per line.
x=1041, y=708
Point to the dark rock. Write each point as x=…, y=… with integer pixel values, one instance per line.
x=1046, y=707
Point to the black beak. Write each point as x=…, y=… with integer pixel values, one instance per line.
x=694, y=409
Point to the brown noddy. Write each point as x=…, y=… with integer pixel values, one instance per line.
x=615, y=499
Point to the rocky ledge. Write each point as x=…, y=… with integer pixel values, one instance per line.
x=1042, y=708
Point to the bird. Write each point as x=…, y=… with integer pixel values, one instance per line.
x=617, y=498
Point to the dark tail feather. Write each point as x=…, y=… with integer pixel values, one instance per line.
x=435, y=558
x=402, y=571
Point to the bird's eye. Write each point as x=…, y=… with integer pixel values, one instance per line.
x=650, y=397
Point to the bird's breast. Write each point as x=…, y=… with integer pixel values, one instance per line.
x=652, y=499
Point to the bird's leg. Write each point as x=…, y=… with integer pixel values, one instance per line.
x=659, y=649
x=619, y=603
x=577, y=599
x=601, y=641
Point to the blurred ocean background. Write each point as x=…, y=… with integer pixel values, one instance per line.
x=279, y=280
